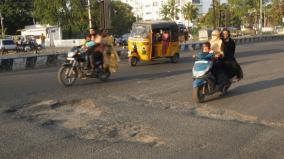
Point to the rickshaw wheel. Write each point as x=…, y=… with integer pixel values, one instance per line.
x=175, y=58
x=133, y=61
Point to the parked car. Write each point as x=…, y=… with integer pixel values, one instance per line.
x=7, y=45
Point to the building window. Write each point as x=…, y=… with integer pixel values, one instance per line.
x=155, y=4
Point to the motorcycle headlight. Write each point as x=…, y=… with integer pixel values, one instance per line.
x=71, y=54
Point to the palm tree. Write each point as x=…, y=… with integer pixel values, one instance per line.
x=189, y=12
x=174, y=10
x=165, y=10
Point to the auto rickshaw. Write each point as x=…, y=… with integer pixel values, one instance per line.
x=145, y=41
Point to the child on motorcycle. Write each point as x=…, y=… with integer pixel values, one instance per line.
x=209, y=55
x=206, y=54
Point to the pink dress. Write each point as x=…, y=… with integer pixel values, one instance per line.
x=165, y=43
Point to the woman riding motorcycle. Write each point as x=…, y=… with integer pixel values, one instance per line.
x=232, y=68
x=216, y=46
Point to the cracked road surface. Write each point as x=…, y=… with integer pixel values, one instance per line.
x=146, y=112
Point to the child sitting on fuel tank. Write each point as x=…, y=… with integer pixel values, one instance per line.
x=206, y=54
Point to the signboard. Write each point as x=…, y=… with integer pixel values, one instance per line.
x=203, y=34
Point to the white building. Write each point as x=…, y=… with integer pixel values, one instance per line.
x=150, y=9
x=51, y=33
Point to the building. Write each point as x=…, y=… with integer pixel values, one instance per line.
x=150, y=9
x=51, y=33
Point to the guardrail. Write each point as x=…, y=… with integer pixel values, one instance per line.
x=239, y=41
x=38, y=61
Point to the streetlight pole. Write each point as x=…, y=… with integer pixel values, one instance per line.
x=2, y=24
x=90, y=16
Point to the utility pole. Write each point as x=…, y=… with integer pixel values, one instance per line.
x=2, y=24
x=90, y=16
x=105, y=17
x=214, y=14
x=260, y=17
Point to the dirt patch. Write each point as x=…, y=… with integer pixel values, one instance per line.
x=230, y=115
x=84, y=119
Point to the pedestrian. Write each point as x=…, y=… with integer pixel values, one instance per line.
x=42, y=38
x=232, y=68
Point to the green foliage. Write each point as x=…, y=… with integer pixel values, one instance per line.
x=123, y=19
x=189, y=12
x=70, y=14
x=165, y=10
x=170, y=11
x=206, y=21
x=73, y=15
x=16, y=14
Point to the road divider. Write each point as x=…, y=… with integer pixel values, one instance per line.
x=38, y=61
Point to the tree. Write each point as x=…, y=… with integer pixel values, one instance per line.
x=207, y=21
x=174, y=10
x=123, y=19
x=277, y=12
x=170, y=10
x=17, y=14
x=189, y=12
x=165, y=10
x=71, y=15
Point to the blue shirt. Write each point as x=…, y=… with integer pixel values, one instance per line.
x=205, y=56
x=90, y=44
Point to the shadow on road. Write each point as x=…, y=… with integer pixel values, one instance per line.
x=254, y=87
x=149, y=76
x=250, y=88
x=251, y=62
x=259, y=52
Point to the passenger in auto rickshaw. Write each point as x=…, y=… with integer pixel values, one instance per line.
x=165, y=42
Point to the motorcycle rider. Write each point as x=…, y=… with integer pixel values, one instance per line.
x=232, y=68
x=89, y=46
x=207, y=53
x=217, y=47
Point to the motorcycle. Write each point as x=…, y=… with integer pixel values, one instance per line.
x=76, y=66
x=205, y=83
x=29, y=46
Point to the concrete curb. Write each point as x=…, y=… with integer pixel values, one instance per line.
x=39, y=61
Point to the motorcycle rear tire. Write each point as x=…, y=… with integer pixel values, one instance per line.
x=104, y=75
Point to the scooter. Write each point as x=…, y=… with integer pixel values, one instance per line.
x=205, y=83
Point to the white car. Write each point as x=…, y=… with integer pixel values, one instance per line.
x=6, y=45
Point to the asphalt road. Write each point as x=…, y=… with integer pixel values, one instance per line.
x=146, y=112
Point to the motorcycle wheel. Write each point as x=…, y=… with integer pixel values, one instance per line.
x=64, y=78
x=104, y=75
x=197, y=95
x=133, y=61
x=175, y=58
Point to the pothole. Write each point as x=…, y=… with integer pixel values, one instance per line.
x=230, y=115
x=84, y=119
